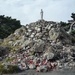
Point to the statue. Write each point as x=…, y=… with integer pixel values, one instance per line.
x=41, y=14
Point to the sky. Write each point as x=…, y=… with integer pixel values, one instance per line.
x=28, y=11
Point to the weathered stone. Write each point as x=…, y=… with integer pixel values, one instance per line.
x=49, y=55
x=28, y=43
x=38, y=46
x=58, y=33
x=20, y=31
x=31, y=66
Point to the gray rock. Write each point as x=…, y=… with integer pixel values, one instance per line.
x=28, y=43
x=58, y=33
x=38, y=46
x=49, y=55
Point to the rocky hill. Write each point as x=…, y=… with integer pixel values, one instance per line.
x=37, y=39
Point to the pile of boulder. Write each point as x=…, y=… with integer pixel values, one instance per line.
x=40, y=45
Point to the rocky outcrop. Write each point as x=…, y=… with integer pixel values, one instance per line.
x=38, y=44
x=58, y=34
x=39, y=37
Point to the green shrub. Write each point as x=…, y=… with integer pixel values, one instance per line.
x=73, y=40
x=8, y=25
x=2, y=69
x=73, y=32
x=10, y=69
x=13, y=69
x=66, y=28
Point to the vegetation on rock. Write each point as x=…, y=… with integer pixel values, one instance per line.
x=65, y=25
x=9, y=69
x=73, y=34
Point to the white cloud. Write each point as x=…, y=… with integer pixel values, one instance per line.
x=29, y=10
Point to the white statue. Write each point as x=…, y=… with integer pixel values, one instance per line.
x=41, y=14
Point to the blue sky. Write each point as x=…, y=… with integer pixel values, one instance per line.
x=28, y=11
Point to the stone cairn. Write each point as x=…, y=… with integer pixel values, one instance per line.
x=41, y=45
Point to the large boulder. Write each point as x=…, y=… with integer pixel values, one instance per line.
x=20, y=31
x=38, y=46
x=58, y=34
x=54, y=34
x=48, y=55
x=27, y=43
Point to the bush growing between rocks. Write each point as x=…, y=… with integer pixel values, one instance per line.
x=73, y=32
x=2, y=69
x=10, y=69
x=13, y=69
x=73, y=40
